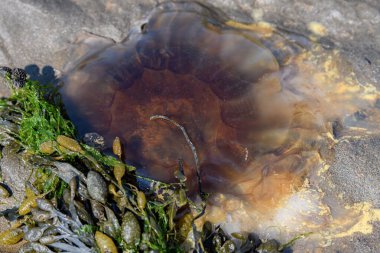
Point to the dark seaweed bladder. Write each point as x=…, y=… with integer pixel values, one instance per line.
x=249, y=124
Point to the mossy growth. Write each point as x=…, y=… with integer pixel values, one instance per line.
x=47, y=182
x=41, y=119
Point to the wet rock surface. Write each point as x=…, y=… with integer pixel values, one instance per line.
x=14, y=172
x=353, y=178
x=34, y=34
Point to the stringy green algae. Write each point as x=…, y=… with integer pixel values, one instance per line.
x=41, y=120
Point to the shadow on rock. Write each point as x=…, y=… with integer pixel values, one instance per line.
x=44, y=76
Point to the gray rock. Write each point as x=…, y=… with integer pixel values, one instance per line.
x=4, y=84
x=15, y=173
x=354, y=26
x=355, y=172
x=36, y=34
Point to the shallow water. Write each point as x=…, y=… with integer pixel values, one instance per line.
x=263, y=108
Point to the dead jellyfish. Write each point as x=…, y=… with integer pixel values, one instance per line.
x=188, y=65
x=251, y=100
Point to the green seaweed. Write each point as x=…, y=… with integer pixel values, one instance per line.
x=41, y=120
x=292, y=241
x=87, y=229
x=46, y=182
x=104, y=159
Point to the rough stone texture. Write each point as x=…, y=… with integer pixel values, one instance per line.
x=14, y=172
x=4, y=90
x=35, y=33
x=355, y=172
x=354, y=26
x=355, y=175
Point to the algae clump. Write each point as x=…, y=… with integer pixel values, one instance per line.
x=41, y=118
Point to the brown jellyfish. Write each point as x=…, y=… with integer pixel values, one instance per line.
x=220, y=83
